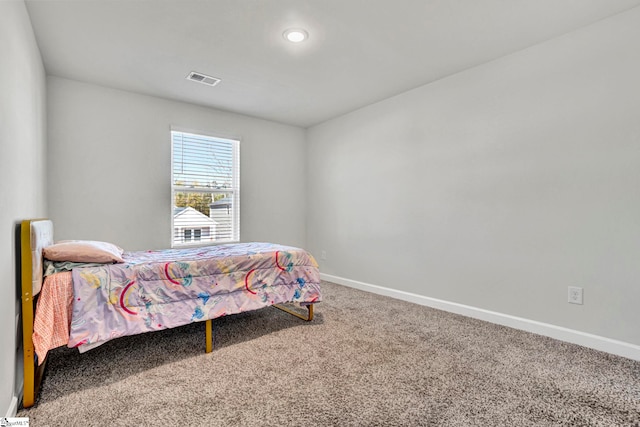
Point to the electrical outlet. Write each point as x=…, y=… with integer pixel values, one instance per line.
x=575, y=295
x=323, y=255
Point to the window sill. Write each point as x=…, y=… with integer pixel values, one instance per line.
x=202, y=244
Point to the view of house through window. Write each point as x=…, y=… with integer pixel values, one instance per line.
x=205, y=189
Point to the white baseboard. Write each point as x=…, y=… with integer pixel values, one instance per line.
x=15, y=401
x=13, y=408
x=584, y=339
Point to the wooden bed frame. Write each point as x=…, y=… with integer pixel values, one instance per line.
x=35, y=234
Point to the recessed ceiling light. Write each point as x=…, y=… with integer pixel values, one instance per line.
x=295, y=35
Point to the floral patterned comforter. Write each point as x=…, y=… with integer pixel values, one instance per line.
x=155, y=290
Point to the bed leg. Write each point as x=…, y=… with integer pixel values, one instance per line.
x=308, y=317
x=209, y=336
x=29, y=375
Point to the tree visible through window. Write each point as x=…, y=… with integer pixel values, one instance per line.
x=205, y=189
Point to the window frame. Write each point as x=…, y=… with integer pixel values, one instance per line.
x=234, y=190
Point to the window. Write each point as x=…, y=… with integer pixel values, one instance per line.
x=192, y=235
x=205, y=187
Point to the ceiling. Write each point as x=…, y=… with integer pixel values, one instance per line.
x=358, y=51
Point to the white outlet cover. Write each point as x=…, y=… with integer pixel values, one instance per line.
x=575, y=295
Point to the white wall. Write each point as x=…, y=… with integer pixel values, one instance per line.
x=497, y=187
x=109, y=167
x=22, y=173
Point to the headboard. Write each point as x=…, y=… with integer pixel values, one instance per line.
x=34, y=236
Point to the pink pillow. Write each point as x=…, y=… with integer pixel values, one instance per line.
x=83, y=251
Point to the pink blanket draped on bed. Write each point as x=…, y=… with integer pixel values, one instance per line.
x=53, y=314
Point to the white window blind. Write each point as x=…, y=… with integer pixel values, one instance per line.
x=205, y=187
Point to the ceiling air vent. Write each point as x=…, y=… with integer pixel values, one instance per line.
x=202, y=78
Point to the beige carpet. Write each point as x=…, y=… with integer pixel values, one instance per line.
x=365, y=360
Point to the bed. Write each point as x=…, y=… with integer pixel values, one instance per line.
x=88, y=304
